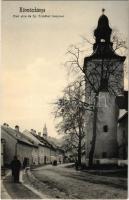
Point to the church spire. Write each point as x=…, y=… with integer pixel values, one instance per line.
x=103, y=30
x=45, y=133
x=103, y=47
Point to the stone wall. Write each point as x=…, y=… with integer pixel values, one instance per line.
x=106, y=130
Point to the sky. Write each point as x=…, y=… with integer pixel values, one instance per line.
x=34, y=50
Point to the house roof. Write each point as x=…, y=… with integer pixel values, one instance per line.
x=29, y=138
x=44, y=141
x=41, y=139
x=32, y=138
x=18, y=136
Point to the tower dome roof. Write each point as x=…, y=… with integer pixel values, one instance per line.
x=103, y=21
x=103, y=50
x=103, y=31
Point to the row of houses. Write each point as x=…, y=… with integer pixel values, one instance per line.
x=28, y=145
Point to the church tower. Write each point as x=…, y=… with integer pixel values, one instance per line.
x=104, y=74
x=45, y=133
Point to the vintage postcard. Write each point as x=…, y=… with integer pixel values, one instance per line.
x=64, y=99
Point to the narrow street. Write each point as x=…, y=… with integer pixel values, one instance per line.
x=10, y=190
x=61, y=182
x=21, y=190
x=50, y=182
x=64, y=182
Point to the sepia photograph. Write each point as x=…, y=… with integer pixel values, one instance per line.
x=64, y=99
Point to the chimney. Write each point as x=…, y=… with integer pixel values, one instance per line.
x=17, y=128
x=39, y=133
x=5, y=125
x=31, y=130
x=45, y=136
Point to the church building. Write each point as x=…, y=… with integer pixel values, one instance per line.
x=104, y=81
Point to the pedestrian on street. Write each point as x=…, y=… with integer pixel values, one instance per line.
x=16, y=166
x=25, y=164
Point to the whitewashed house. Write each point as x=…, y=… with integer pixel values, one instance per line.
x=27, y=144
x=16, y=144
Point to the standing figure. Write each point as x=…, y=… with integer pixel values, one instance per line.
x=16, y=166
x=25, y=163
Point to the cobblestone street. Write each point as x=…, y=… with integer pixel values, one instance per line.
x=68, y=183
x=60, y=182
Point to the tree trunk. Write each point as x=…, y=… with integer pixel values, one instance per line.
x=91, y=153
x=80, y=139
x=79, y=152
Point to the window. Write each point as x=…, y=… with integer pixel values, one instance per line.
x=105, y=128
x=104, y=155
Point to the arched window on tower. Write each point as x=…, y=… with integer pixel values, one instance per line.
x=105, y=128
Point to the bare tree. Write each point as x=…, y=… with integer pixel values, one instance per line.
x=70, y=109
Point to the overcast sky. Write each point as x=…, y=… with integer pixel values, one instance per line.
x=33, y=51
